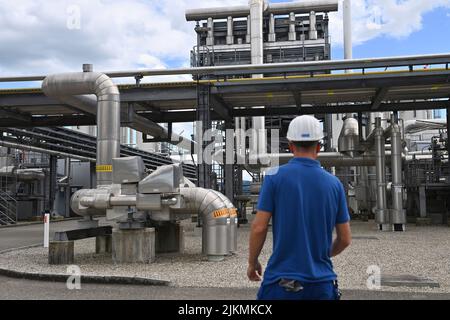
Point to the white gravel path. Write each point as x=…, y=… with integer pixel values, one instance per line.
x=423, y=251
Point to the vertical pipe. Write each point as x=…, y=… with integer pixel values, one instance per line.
x=398, y=215
x=210, y=38
x=230, y=37
x=382, y=218
x=312, y=26
x=257, y=53
x=448, y=134
x=292, y=34
x=348, y=49
x=272, y=35
x=248, y=37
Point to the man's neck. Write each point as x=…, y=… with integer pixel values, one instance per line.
x=312, y=156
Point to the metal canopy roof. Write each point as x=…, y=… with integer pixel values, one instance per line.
x=422, y=83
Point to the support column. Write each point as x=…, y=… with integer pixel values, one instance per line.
x=133, y=246
x=204, y=168
x=52, y=183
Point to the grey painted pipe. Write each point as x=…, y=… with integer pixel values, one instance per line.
x=275, y=8
x=398, y=215
x=45, y=151
x=108, y=112
x=269, y=68
x=215, y=215
x=88, y=104
x=381, y=214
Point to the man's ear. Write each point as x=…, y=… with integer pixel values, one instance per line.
x=319, y=146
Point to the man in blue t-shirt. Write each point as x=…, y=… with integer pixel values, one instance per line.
x=306, y=204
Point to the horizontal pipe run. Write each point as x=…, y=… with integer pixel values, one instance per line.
x=309, y=66
x=200, y=14
x=45, y=151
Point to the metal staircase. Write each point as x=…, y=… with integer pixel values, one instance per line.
x=8, y=209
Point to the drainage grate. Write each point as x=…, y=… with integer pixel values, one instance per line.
x=407, y=281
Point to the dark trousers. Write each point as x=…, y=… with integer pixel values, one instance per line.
x=311, y=291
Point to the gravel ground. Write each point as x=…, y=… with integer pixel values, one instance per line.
x=423, y=251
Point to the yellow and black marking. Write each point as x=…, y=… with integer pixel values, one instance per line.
x=221, y=213
x=104, y=168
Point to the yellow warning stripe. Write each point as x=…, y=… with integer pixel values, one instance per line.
x=104, y=168
x=221, y=213
x=233, y=212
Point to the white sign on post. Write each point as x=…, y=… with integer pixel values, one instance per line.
x=46, y=230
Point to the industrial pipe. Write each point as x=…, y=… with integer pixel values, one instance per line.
x=398, y=214
x=257, y=8
x=19, y=146
x=215, y=215
x=22, y=174
x=381, y=214
x=108, y=112
x=275, y=8
x=308, y=66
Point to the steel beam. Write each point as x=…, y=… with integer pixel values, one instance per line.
x=221, y=108
x=203, y=117
x=379, y=96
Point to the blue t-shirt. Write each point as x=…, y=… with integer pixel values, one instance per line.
x=306, y=203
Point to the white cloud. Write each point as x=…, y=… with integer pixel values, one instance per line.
x=119, y=34
x=374, y=18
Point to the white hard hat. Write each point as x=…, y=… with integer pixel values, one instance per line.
x=305, y=128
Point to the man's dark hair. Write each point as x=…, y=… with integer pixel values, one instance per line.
x=305, y=145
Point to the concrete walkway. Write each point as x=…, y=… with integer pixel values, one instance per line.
x=37, y=290
x=27, y=235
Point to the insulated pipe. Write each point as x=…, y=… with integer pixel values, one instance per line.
x=230, y=37
x=292, y=36
x=22, y=174
x=232, y=238
x=381, y=214
x=249, y=27
x=210, y=38
x=272, y=36
x=348, y=46
x=312, y=26
x=398, y=215
x=321, y=65
x=275, y=8
x=19, y=146
x=215, y=215
x=108, y=112
x=257, y=57
x=88, y=104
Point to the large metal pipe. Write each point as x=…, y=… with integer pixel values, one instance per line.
x=312, y=26
x=398, y=215
x=230, y=36
x=24, y=147
x=215, y=217
x=272, y=37
x=210, y=38
x=275, y=8
x=270, y=68
x=348, y=46
x=108, y=112
x=22, y=174
x=292, y=36
x=257, y=57
x=382, y=213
